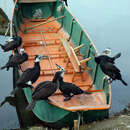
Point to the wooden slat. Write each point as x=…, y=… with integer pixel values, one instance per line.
x=82, y=102
x=72, y=56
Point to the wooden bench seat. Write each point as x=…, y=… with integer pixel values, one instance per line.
x=73, y=58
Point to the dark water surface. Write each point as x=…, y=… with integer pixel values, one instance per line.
x=8, y=115
x=107, y=23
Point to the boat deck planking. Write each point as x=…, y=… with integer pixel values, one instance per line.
x=46, y=40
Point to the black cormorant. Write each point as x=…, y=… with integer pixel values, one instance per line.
x=69, y=89
x=12, y=43
x=30, y=75
x=45, y=89
x=16, y=59
x=112, y=71
x=104, y=58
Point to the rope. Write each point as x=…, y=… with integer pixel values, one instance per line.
x=45, y=46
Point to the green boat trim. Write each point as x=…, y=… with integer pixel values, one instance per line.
x=77, y=35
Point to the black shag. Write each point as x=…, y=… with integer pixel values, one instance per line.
x=45, y=89
x=69, y=89
x=110, y=69
x=12, y=44
x=16, y=59
x=30, y=75
x=104, y=58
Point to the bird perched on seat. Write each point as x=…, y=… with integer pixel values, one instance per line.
x=107, y=66
x=45, y=89
x=69, y=89
x=12, y=44
x=30, y=75
x=16, y=59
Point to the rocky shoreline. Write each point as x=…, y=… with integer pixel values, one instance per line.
x=119, y=121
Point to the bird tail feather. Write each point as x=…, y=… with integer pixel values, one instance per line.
x=2, y=46
x=31, y=105
x=124, y=82
x=117, y=56
x=3, y=67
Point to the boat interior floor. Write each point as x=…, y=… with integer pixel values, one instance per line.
x=46, y=38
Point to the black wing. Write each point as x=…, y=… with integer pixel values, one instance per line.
x=40, y=86
x=45, y=91
x=27, y=75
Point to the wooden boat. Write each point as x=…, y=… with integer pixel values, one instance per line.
x=48, y=27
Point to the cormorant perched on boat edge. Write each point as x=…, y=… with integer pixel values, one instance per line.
x=69, y=89
x=30, y=75
x=16, y=59
x=12, y=44
x=45, y=89
x=100, y=58
x=112, y=71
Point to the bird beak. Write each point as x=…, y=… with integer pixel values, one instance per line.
x=43, y=57
x=61, y=68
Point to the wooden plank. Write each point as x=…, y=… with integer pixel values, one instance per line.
x=36, y=1
x=74, y=60
x=45, y=22
x=72, y=56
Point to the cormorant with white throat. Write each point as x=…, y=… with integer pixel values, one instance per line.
x=16, y=59
x=45, y=89
x=112, y=71
x=69, y=89
x=107, y=66
x=12, y=44
x=30, y=75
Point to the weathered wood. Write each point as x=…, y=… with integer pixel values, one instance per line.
x=78, y=47
x=42, y=23
x=76, y=125
x=74, y=59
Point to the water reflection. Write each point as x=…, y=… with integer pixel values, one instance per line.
x=9, y=99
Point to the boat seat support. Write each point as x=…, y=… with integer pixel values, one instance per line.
x=73, y=58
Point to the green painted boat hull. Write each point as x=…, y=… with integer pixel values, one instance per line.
x=49, y=113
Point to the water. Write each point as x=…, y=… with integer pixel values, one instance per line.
x=8, y=115
x=107, y=23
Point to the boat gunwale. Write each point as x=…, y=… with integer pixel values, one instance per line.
x=110, y=94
